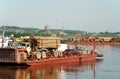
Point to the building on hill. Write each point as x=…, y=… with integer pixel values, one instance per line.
x=62, y=33
x=47, y=30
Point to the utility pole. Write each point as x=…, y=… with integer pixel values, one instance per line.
x=63, y=27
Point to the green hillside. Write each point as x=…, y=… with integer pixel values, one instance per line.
x=20, y=31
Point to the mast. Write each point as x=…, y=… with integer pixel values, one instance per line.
x=63, y=27
x=3, y=34
x=94, y=46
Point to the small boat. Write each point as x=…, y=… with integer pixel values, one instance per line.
x=100, y=55
x=43, y=51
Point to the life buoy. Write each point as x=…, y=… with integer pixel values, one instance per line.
x=38, y=55
x=85, y=39
x=102, y=40
x=48, y=54
x=33, y=57
x=56, y=53
x=91, y=40
x=23, y=56
x=81, y=39
x=81, y=52
x=71, y=39
x=44, y=54
x=77, y=39
x=60, y=53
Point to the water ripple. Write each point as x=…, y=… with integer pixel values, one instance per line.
x=105, y=70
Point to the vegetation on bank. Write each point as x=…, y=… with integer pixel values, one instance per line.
x=18, y=31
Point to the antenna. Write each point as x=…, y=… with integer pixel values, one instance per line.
x=63, y=27
x=3, y=34
x=3, y=31
x=4, y=28
x=3, y=37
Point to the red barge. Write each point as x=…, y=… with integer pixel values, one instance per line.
x=43, y=51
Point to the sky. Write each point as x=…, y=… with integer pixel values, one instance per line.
x=84, y=15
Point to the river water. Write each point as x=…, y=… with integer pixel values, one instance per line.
x=107, y=67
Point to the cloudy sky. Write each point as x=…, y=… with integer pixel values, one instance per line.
x=86, y=15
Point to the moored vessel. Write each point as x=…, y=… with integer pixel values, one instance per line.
x=34, y=50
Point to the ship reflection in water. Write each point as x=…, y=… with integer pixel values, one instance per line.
x=48, y=72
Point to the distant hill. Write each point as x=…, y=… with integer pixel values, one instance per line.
x=14, y=28
x=22, y=31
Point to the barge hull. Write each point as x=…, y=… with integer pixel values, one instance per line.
x=77, y=59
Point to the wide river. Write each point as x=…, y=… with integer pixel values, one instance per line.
x=106, y=68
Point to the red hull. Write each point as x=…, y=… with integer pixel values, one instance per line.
x=62, y=60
